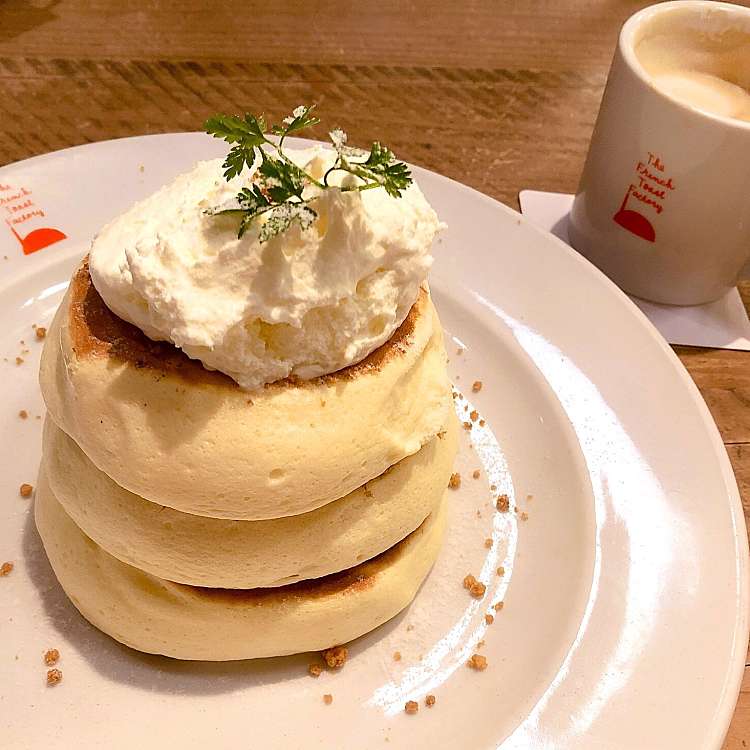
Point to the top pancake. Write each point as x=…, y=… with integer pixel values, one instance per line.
x=165, y=428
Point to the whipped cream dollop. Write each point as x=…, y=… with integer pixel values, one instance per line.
x=303, y=303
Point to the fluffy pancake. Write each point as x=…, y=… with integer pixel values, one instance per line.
x=217, y=552
x=187, y=622
x=165, y=428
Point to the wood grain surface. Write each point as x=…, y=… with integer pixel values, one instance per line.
x=498, y=95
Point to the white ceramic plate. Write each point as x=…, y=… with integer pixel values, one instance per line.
x=625, y=589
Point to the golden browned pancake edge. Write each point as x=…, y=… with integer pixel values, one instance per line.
x=95, y=331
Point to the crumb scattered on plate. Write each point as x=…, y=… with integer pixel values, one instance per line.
x=478, y=662
x=503, y=504
x=25, y=490
x=54, y=676
x=475, y=588
x=489, y=619
x=23, y=414
x=335, y=657
x=476, y=386
x=429, y=701
x=51, y=656
x=455, y=481
x=328, y=699
x=314, y=670
x=6, y=568
x=411, y=707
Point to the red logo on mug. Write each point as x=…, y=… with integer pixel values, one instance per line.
x=651, y=191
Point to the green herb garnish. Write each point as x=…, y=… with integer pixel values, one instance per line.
x=278, y=183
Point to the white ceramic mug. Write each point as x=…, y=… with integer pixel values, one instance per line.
x=663, y=207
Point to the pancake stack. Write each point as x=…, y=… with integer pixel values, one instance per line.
x=188, y=517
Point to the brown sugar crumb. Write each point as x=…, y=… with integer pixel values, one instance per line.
x=524, y=516
x=501, y=571
x=468, y=425
x=455, y=481
x=25, y=490
x=474, y=415
x=466, y=407
x=488, y=543
x=19, y=360
x=497, y=607
x=409, y=628
x=479, y=513
x=41, y=332
x=314, y=670
x=459, y=351
x=476, y=474
x=475, y=588
x=482, y=423
x=489, y=619
x=411, y=707
x=328, y=699
x=503, y=504
x=529, y=498
x=493, y=487
x=6, y=568
x=477, y=662
x=335, y=657
x=476, y=386
x=367, y=491
x=23, y=414
x=54, y=676
x=51, y=657
x=481, y=643
x=429, y=701
x=441, y=434
x=396, y=656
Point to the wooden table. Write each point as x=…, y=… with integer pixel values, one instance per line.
x=498, y=95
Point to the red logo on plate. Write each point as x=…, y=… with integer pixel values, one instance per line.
x=20, y=209
x=651, y=191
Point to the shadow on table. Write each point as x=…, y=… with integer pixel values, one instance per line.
x=147, y=671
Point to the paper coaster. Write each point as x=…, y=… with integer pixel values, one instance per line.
x=722, y=324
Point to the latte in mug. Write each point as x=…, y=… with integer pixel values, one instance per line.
x=710, y=72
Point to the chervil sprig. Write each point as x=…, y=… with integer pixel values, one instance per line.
x=277, y=190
